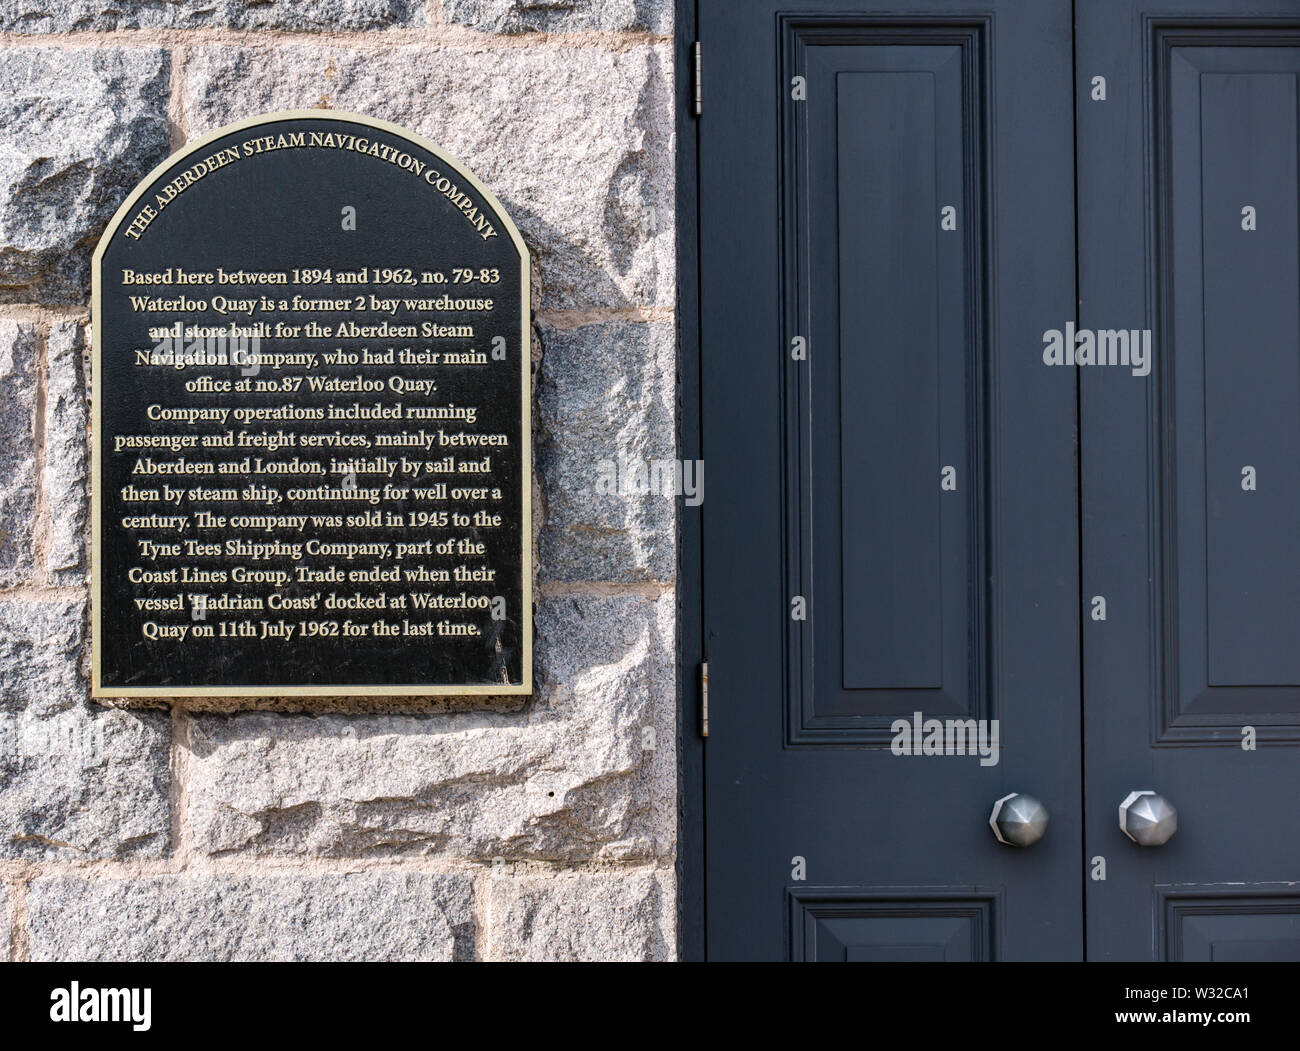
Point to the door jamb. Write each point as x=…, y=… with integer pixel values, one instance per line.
x=691, y=651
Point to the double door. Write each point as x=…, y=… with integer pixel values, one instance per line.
x=1000, y=398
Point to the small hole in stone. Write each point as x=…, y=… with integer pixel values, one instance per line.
x=550, y=793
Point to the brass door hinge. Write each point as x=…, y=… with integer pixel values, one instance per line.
x=704, y=698
x=697, y=65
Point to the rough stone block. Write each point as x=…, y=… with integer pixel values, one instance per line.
x=17, y=449
x=6, y=920
x=605, y=452
x=82, y=127
x=568, y=778
x=65, y=453
x=76, y=780
x=559, y=16
x=577, y=143
x=61, y=16
x=342, y=916
x=612, y=915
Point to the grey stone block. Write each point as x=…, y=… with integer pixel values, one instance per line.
x=605, y=452
x=82, y=127
x=6, y=920
x=568, y=778
x=559, y=16
x=203, y=917
x=577, y=143
x=40, y=644
x=612, y=915
x=61, y=16
x=76, y=780
x=17, y=449
x=65, y=453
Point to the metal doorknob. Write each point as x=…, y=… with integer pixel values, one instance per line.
x=1018, y=820
x=1147, y=818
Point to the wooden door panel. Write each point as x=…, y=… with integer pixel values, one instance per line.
x=1191, y=473
x=886, y=292
x=832, y=140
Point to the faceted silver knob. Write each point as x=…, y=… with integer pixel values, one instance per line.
x=1147, y=818
x=1018, y=820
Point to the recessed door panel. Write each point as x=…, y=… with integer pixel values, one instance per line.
x=889, y=364
x=1248, y=289
x=918, y=925
x=886, y=458
x=1225, y=925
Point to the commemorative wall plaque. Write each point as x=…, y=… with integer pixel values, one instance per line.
x=311, y=422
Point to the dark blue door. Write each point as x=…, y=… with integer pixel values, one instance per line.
x=890, y=533
x=1189, y=229
x=968, y=476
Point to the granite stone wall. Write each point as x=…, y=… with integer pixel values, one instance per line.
x=483, y=829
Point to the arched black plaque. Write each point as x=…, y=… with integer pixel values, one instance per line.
x=312, y=466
